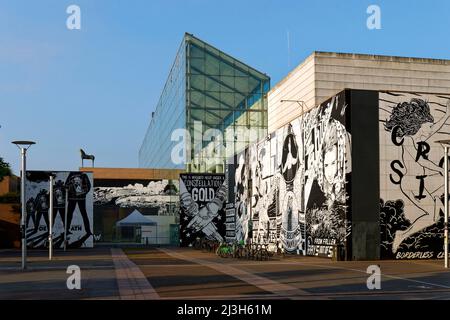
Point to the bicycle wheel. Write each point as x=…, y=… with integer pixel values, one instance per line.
x=264, y=255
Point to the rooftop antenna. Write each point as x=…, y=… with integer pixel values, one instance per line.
x=289, y=48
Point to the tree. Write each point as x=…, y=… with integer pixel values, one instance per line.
x=5, y=169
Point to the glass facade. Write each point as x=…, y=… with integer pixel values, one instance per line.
x=219, y=100
x=169, y=115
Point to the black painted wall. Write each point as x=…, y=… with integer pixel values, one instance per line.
x=365, y=190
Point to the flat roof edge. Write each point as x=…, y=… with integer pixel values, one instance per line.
x=379, y=57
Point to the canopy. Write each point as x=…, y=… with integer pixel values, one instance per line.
x=135, y=219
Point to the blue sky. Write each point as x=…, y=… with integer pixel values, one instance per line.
x=95, y=88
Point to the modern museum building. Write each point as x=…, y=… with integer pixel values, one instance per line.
x=342, y=159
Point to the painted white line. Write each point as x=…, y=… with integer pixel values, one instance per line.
x=228, y=297
x=426, y=264
x=364, y=271
x=263, y=283
x=132, y=283
x=441, y=297
x=49, y=268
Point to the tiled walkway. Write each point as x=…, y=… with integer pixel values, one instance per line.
x=132, y=283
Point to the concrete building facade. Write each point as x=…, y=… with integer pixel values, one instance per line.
x=324, y=74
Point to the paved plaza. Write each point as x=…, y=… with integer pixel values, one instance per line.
x=182, y=273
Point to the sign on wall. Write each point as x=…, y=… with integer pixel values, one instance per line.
x=79, y=209
x=412, y=174
x=230, y=223
x=202, y=202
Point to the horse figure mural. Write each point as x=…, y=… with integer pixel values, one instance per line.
x=85, y=156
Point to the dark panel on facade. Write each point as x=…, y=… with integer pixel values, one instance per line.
x=365, y=174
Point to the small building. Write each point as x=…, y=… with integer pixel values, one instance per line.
x=10, y=212
x=137, y=228
x=121, y=193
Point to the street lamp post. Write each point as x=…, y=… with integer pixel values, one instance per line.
x=50, y=218
x=23, y=146
x=445, y=144
x=302, y=104
x=65, y=218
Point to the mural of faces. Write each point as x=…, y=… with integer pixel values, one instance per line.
x=289, y=160
x=330, y=164
x=285, y=187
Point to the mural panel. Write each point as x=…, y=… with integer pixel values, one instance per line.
x=411, y=166
x=202, y=201
x=291, y=187
x=116, y=199
x=79, y=209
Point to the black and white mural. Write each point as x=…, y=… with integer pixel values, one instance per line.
x=411, y=166
x=291, y=187
x=152, y=197
x=242, y=217
x=116, y=199
x=79, y=209
x=202, y=201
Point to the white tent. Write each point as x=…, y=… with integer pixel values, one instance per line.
x=135, y=219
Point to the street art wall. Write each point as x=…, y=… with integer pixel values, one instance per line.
x=411, y=180
x=116, y=199
x=202, y=201
x=291, y=188
x=79, y=209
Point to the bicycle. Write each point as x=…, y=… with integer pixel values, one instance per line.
x=225, y=250
x=262, y=253
x=239, y=249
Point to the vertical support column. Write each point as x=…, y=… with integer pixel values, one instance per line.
x=65, y=218
x=23, y=222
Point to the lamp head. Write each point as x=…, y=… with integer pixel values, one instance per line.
x=23, y=144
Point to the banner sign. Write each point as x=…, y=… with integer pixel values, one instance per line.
x=202, y=202
x=78, y=186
